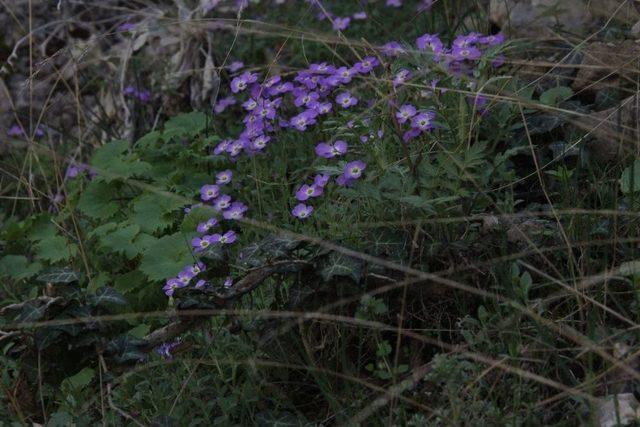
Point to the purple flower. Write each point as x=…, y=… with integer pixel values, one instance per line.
x=353, y=170
x=223, y=103
x=208, y=192
x=130, y=90
x=144, y=96
x=410, y=134
x=271, y=81
x=430, y=41
x=307, y=191
x=203, y=227
x=323, y=107
x=346, y=100
x=394, y=3
x=222, y=147
x=405, y=113
x=321, y=180
x=469, y=52
x=344, y=181
x=342, y=75
x=465, y=41
x=15, y=130
x=127, y=26
x=228, y=282
x=258, y=144
x=267, y=109
x=224, y=177
x=372, y=136
x=200, y=284
x=304, y=119
x=393, y=49
x=185, y=277
x=72, y=172
x=493, y=40
x=401, y=77
x=281, y=88
x=322, y=68
x=221, y=203
x=359, y=16
x=306, y=99
x=224, y=239
x=423, y=121
x=250, y=104
x=201, y=243
x=341, y=23
x=329, y=151
x=235, y=211
x=235, y=148
x=171, y=286
x=302, y=211
x=165, y=350
x=235, y=66
x=240, y=83
x=366, y=65
x=196, y=268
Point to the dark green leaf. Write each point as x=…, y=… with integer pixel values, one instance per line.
x=17, y=267
x=59, y=275
x=166, y=257
x=96, y=200
x=338, y=264
x=187, y=124
x=106, y=296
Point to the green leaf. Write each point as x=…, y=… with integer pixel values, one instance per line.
x=79, y=380
x=270, y=248
x=147, y=141
x=630, y=180
x=17, y=267
x=186, y=124
x=55, y=249
x=121, y=241
x=31, y=312
x=130, y=282
x=112, y=161
x=139, y=331
x=417, y=202
x=166, y=257
x=106, y=296
x=42, y=228
x=60, y=419
x=127, y=349
x=59, y=275
x=96, y=200
x=338, y=264
x=151, y=211
x=556, y=95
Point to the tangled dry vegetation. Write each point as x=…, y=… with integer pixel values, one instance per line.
x=454, y=240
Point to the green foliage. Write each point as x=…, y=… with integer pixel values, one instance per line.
x=18, y=267
x=537, y=257
x=630, y=180
x=166, y=257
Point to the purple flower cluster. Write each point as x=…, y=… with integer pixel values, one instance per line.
x=308, y=94
x=74, y=170
x=17, y=131
x=419, y=121
x=184, y=278
x=301, y=100
x=143, y=96
x=464, y=51
x=165, y=349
